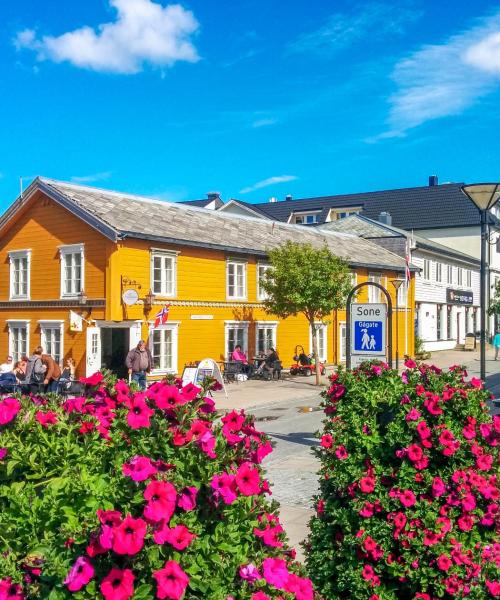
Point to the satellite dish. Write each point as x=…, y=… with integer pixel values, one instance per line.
x=130, y=297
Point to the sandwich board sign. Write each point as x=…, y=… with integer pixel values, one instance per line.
x=368, y=332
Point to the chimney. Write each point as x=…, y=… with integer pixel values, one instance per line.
x=273, y=199
x=213, y=195
x=385, y=218
x=288, y=197
x=433, y=180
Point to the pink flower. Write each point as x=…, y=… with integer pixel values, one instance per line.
x=172, y=581
x=413, y=415
x=250, y=573
x=161, y=499
x=414, y=452
x=10, y=591
x=224, y=486
x=493, y=587
x=476, y=383
x=118, y=585
x=79, y=575
x=139, y=414
x=187, y=498
x=128, y=537
x=410, y=364
x=179, y=536
x=248, y=479
x=275, y=572
x=139, y=468
x=367, y=485
x=367, y=572
x=484, y=462
x=9, y=407
x=326, y=441
x=260, y=596
x=94, y=380
x=234, y=421
x=46, y=418
x=207, y=444
x=407, y=498
x=3, y=453
x=423, y=430
x=300, y=586
x=341, y=452
x=465, y=523
x=438, y=487
x=443, y=562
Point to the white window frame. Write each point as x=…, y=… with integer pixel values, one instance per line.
x=172, y=326
x=402, y=295
x=439, y=272
x=259, y=325
x=164, y=292
x=236, y=264
x=342, y=335
x=427, y=268
x=320, y=327
x=300, y=218
x=45, y=325
x=18, y=323
x=375, y=294
x=63, y=252
x=16, y=255
x=228, y=325
x=334, y=214
x=449, y=274
x=460, y=276
x=468, y=278
x=261, y=294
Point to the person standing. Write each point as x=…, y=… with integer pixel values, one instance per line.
x=139, y=363
x=496, y=343
x=35, y=370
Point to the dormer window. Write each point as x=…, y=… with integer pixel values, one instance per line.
x=305, y=218
x=341, y=213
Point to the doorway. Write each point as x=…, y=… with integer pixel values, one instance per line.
x=115, y=344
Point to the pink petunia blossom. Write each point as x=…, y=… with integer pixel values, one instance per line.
x=80, y=574
x=9, y=407
x=407, y=498
x=139, y=468
x=139, y=414
x=443, y=562
x=341, y=452
x=161, y=498
x=224, y=486
x=179, y=536
x=118, y=585
x=128, y=537
x=187, y=498
x=275, y=572
x=250, y=573
x=171, y=581
x=248, y=479
x=10, y=590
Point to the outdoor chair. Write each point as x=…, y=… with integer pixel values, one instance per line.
x=231, y=370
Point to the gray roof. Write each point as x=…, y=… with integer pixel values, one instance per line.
x=118, y=215
x=426, y=207
x=371, y=229
x=203, y=202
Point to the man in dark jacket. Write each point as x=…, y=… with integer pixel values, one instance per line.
x=42, y=370
x=139, y=362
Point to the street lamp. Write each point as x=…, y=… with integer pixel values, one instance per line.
x=484, y=196
x=397, y=283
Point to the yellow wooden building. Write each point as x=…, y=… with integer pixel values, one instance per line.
x=116, y=259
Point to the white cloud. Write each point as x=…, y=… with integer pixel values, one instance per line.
x=267, y=182
x=264, y=122
x=374, y=20
x=102, y=176
x=440, y=80
x=143, y=32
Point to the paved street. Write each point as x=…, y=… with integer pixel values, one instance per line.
x=289, y=412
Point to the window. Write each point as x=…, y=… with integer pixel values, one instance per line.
x=450, y=274
x=306, y=218
x=374, y=294
x=449, y=321
x=265, y=336
x=460, y=276
x=236, y=334
x=439, y=322
x=261, y=270
x=236, y=280
x=72, y=270
x=342, y=213
x=427, y=269
x=163, y=347
x=20, y=274
x=52, y=336
x=439, y=272
x=498, y=245
x=468, y=277
x=320, y=330
x=163, y=273
x=402, y=295
x=343, y=341
x=18, y=339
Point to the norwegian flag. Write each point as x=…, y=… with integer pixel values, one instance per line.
x=162, y=316
x=407, y=260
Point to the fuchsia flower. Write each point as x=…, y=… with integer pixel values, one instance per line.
x=179, y=536
x=413, y=415
x=407, y=498
x=341, y=452
x=207, y=444
x=484, y=462
x=326, y=441
x=248, y=479
x=300, y=586
x=187, y=498
x=233, y=420
x=10, y=591
x=410, y=364
x=9, y=407
x=250, y=573
x=438, y=487
x=139, y=468
x=46, y=418
x=3, y=453
x=139, y=414
x=161, y=498
x=79, y=575
x=476, y=383
x=94, y=380
x=128, y=537
x=275, y=572
x=260, y=596
x=224, y=486
x=171, y=581
x=118, y=585
x=367, y=485
x=444, y=562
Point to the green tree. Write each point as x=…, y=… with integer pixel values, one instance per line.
x=306, y=280
x=494, y=308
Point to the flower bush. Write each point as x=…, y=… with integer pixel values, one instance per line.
x=409, y=487
x=124, y=494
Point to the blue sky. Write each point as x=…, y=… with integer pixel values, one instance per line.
x=250, y=98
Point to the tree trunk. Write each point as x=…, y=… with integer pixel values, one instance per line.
x=315, y=352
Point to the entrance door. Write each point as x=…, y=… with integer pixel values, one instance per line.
x=115, y=346
x=93, y=350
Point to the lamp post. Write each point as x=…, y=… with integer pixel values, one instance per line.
x=484, y=196
x=397, y=283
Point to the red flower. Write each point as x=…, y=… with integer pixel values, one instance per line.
x=161, y=499
x=248, y=479
x=326, y=440
x=407, y=498
x=484, y=462
x=179, y=536
x=139, y=413
x=443, y=562
x=367, y=572
x=118, y=585
x=367, y=485
x=224, y=486
x=128, y=537
x=46, y=418
x=93, y=380
x=9, y=407
x=234, y=421
x=414, y=452
x=438, y=487
x=171, y=581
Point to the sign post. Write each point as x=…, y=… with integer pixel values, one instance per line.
x=369, y=329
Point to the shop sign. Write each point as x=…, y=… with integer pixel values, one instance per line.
x=459, y=297
x=130, y=297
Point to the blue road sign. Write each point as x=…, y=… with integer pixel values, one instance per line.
x=368, y=336
x=368, y=325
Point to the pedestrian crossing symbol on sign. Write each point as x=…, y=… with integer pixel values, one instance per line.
x=368, y=337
